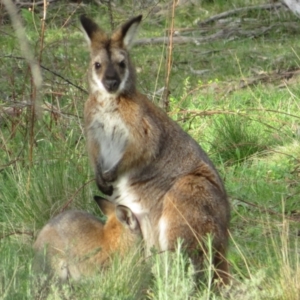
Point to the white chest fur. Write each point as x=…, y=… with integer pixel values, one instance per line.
x=125, y=195
x=108, y=130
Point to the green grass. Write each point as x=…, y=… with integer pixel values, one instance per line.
x=242, y=110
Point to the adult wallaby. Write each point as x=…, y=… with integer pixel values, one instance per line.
x=145, y=161
x=76, y=243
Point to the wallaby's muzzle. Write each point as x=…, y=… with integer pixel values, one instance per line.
x=111, y=85
x=111, y=79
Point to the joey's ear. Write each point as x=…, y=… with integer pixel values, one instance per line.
x=106, y=206
x=126, y=217
x=91, y=30
x=126, y=33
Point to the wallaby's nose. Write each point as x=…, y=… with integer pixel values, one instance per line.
x=111, y=79
x=111, y=85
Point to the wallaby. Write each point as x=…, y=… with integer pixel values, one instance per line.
x=145, y=161
x=76, y=243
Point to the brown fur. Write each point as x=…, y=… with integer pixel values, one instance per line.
x=76, y=243
x=144, y=160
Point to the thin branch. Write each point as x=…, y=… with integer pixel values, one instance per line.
x=286, y=154
x=269, y=211
x=195, y=113
x=72, y=13
x=165, y=96
x=110, y=13
x=30, y=233
x=2, y=167
x=52, y=72
x=225, y=33
x=229, y=13
x=32, y=4
x=21, y=105
x=36, y=75
x=268, y=77
x=37, y=88
x=65, y=79
x=72, y=197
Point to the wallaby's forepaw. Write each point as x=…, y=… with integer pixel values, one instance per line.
x=105, y=189
x=103, y=186
x=110, y=175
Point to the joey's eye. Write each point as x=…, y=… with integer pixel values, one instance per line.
x=122, y=64
x=97, y=65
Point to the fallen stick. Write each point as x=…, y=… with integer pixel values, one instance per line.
x=229, y=13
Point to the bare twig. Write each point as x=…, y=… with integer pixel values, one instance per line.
x=247, y=82
x=269, y=211
x=30, y=233
x=286, y=154
x=52, y=72
x=267, y=77
x=36, y=89
x=110, y=13
x=165, y=96
x=2, y=167
x=65, y=79
x=33, y=3
x=225, y=33
x=27, y=53
x=21, y=105
x=204, y=113
x=72, y=197
x=72, y=13
x=229, y=13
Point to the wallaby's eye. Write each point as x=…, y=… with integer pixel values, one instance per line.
x=97, y=65
x=122, y=64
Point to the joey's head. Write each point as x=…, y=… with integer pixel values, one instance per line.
x=110, y=70
x=122, y=217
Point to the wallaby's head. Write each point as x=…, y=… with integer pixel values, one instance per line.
x=110, y=70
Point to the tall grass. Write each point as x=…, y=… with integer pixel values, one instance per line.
x=250, y=131
x=173, y=276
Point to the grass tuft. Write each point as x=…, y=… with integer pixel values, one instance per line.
x=236, y=139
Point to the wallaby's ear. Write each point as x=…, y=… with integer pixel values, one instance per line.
x=126, y=33
x=126, y=217
x=92, y=31
x=106, y=206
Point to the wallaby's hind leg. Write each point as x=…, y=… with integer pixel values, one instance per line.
x=222, y=267
x=193, y=209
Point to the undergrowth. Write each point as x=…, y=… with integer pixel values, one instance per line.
x=237, y=95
